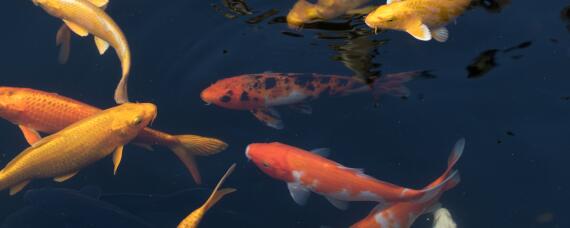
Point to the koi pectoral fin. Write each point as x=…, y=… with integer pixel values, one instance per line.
x=420, y=32
x=17, y=188
x=63, y=41
x=64, y=177
x=31, y=135
x=80, y=31
x=101, y=44
x=299, y=193
x=269, y=116
x=117, y=156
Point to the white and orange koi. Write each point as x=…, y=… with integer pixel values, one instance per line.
x=261, y=93
x=306, y=172
x=404, y=214
x=423, y=19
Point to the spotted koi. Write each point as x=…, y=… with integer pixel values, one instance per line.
x=260, y=93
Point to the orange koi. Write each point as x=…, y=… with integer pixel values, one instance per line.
x=306, y=172
x=423, y=19
x=404, y=214
x=261, y=93
x=305, y=12
x=35, y=110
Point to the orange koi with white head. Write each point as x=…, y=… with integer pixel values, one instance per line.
x=260, y=93
x=423, y=19
x=404, y=214
x=306, y=172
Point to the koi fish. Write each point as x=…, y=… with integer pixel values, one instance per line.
x=404, y=214
x=62, y=154
x=260, y=93
x=84, y=17
x=305, y=12
x=306, y=172
x=194, y=218
x=35, y=110
x=423, y=19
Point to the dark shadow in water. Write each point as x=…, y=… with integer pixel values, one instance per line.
x=232, y=8
x=261, y=17
x=492, y=6
x=342, y=25
x=565, y=16
x=487, y=60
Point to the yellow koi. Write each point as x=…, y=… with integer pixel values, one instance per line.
x=84, y=17
x=423, y=19
x=63, y=154
x=305, y=12
x=193, y=220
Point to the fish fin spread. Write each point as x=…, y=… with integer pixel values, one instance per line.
x=145, y=146
x=64, y=177
x=432, y=191
x=323, y=152
x=342, y=205
x=299, y=193
x=80, y=31
x=379, y=207
x=269, y=116
x=121, y=95
x=302, y=108
x=100, y=3
x=440, y=34
x=394, y=84
x=101, y=44
x=420, y=32
x=17, y=188
x=63, y=41
x=361, y=11
x=194, y=218
x=117, y=156
x=218, y=194
x=189, y=146
x=31, y=135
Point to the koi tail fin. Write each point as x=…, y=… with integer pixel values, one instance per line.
x=189, y=146
x=449, y=179
x=193, y=219
x=121, y=95
x=394, y=84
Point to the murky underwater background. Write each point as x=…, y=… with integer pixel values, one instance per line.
x=501, y=81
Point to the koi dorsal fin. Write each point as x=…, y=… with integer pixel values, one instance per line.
x=323, y=152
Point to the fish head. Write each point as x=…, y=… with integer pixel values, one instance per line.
x=302, y=12
x=130, y=118
x=271, y=158
x=384, y=17
x=229, y=92
x=11, y=103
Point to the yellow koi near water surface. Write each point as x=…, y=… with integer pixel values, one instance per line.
x=193, y=220
x=423, y=19
x=63, y=154
x=85, y=17
x=306, y=12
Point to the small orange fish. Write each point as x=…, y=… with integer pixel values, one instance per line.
x=306, y=172
x=305, y=12
x=84, y=17
x=35, y=110
x=63, y=154
x=404, y=214
x=194, y=218
x=260, y=93
x=423, y=19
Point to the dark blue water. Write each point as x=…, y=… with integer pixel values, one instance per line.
x=513, y=111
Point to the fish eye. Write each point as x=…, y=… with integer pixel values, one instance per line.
x=265, y=164
x=138, y=120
